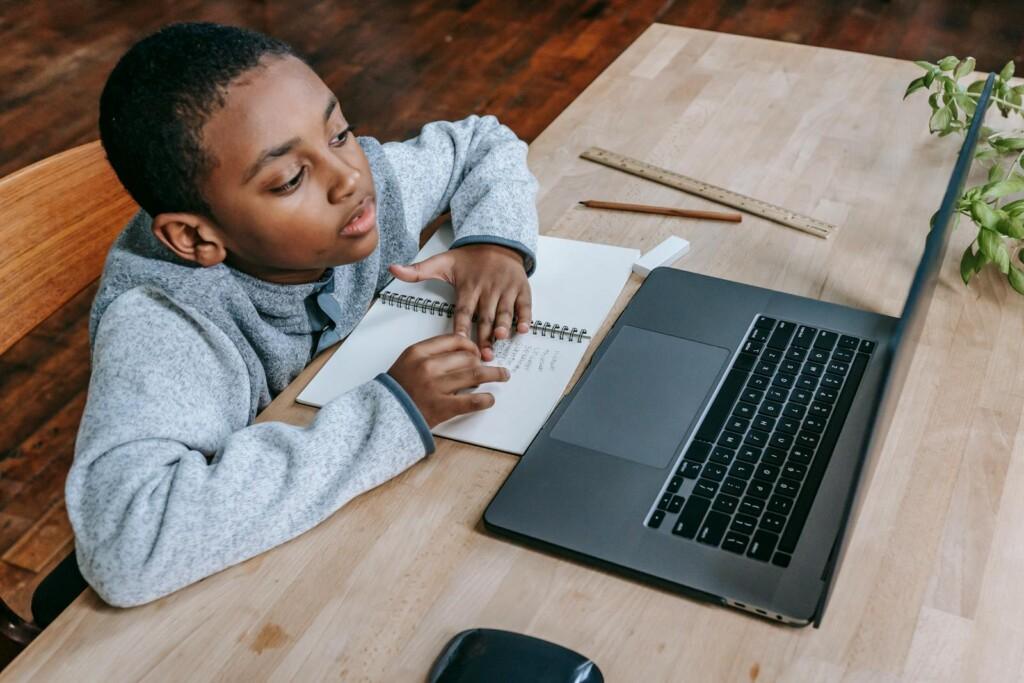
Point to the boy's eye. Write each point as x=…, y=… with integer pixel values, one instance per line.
x=291, y=184
x=341, y=138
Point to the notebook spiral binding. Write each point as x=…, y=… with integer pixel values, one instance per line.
x=434, y=307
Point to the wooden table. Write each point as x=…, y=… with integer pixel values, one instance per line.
x=931, y=588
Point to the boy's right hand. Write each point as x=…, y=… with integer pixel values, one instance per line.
x=434, y=370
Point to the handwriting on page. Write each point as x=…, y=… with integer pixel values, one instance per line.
x=519, y=355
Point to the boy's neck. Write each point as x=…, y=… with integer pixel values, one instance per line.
x=277, y=276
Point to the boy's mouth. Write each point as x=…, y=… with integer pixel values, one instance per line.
x=362, y=220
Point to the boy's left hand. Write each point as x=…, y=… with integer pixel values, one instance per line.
x=490, y=282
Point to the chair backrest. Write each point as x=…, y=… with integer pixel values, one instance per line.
x=58, y=218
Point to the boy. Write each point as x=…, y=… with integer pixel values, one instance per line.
x=267, y=228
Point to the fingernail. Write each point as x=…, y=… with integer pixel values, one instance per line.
x=500, y=332
x=461, y=333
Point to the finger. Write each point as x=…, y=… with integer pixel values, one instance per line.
x=465, y=305
x=472, y=377
x=485, y=308
x=445, y=343
x=524, y=311
x=461, y=404
x=437, y=267
x=503, y=316
x=445, y=363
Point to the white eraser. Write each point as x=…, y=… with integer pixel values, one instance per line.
x=662, y=255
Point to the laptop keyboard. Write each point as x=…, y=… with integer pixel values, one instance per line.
x=749, y=476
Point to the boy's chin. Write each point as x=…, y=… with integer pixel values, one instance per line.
x=358, y=247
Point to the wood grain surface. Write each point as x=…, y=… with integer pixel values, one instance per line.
x=929, y=589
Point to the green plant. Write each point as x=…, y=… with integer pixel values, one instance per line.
x=953, y=108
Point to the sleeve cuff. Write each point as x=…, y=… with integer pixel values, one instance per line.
x=529, y=260
x=414, y=413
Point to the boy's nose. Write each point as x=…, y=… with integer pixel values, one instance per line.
x=344, y=179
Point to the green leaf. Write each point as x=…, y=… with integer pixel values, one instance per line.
x=933, y=101
x=1012, y=185
x=1007, y=72
x=940, y=120
x=949, y=63
x=1008, y=144
x=996, y=173
x=1011, y=227
x=966, y=103
x=992, y=246
x=929, y=78
x=986, y=154
x=948, y=85
x=984, y=216
x=967, y=267
x=1016, y=278
x=1015, y=209
x=914, y=86
x=965, y=67
x=976, y=87
x=927, y=66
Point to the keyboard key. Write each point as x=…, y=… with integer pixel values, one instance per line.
x=780, y=559
x=782, y=334
x=689, y=470
x=800, y=395
x=689, y=519
x=843, y=356
x=766, y=369
x=706, y=488
x=752, y=396
x=722, y=405
x=794, y=470
x=780, y=504
x=714, y=471
x=759, y=382
x=744, y=410
x=777, y=394
x=764, y=322
x=745, y=361
x=666, y=499
x=801, y=454
x=821, y=410
x=741, y=470
x=735, y=543
x=849, y=343
x=764, y=423
x=838, y=368
x=713, y=529
x=830, y=381
x=698, y=451
x=762, y=545
x=807, y=439
x=807, y=382
x=774, y=456
x=796, y=353
x=814, y=424
x=766, y=473
x=773, y=522
x=725, y=503
x=826, y=395
x=866, y=346
x=772, y=356
x=751, y=347
x=759, y=335
x=744, y=524
x=723, y=456
x=771, y=409
x=730, y=440
x=804, y=336
x=733, y=486
x=826, y=340
x=817, y=356
x=813, y=368
x=655, y=521
x=784, y=379
x=674, y=484
x=749, y=454
x=676, y=505
x=760, y=489
x=756, y=438
x=816, y=472
x=781, y=440
x=789, y=367
x=794, y=410
x=788, y=425
x=787, y=487
x=751, y=506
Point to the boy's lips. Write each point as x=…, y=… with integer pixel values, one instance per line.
x=362, y=220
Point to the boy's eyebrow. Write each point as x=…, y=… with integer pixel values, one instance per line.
x=282, y=149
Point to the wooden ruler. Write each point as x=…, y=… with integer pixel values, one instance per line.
x=712, y=192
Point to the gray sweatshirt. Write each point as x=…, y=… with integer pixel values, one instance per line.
x=171, y=480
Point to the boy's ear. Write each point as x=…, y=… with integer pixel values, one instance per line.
x=190, y=236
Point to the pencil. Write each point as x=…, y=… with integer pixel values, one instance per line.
x=664, y=211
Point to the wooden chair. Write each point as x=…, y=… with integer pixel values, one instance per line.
x=58, y=218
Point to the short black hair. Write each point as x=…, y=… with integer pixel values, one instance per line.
x=158, y=98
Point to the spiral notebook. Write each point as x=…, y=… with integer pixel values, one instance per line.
x=573, y=289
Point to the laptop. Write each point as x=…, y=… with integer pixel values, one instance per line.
x=718, y=442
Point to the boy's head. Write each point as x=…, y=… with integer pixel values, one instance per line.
x=239, y=152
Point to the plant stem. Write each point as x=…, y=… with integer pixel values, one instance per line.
x=1011, y=105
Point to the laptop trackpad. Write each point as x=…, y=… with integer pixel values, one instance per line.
x=641, y=398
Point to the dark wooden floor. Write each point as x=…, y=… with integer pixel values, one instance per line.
x=395, y=65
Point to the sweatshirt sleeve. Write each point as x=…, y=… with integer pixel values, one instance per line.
x=477, y=167
x=171, y=484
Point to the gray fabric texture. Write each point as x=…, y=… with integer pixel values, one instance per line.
x=171, y=480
